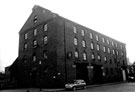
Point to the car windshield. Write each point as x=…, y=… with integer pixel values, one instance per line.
x=76, y=81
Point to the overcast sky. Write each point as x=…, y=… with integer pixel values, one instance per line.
x=114, y=18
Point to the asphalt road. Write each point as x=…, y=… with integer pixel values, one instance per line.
x=123, y=87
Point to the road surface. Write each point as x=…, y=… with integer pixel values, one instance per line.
x=122, y=87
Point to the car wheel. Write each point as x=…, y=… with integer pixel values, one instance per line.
x=74, y=88
x=84, y=87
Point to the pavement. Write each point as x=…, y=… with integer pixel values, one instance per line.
x=88, y=86
x=55, y=90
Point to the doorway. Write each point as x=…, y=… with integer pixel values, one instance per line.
x=97, y=74
x=82, y=71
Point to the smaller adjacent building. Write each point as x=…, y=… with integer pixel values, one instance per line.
x=2, y=80
x=7, y=77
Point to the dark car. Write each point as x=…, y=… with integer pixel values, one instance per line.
x=76, y=84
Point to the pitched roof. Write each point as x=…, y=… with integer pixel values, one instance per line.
x=42, y=15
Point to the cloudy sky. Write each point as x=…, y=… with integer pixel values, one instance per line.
x=115, y=18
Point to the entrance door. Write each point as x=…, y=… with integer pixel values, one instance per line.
x=33, y=77
x=82, y=71
x=97, y=74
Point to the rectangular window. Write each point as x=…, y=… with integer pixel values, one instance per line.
x=108, y=50
x=112, y=43
x=82, y=32
x=34, y=58
x=69, y=54
x=121, y=47
x=105, y=59
x=97, y=37
x=113, y=52
x=117, y=52
x=103, y=40
x=91, y=36
x=35, y=19
x=104, y=49
x=107, y=41
x=45, y=55
x=35, y=32
x=83, y=43
x=45, y=27
x=122, y=54
x=76, y=54
x=26, y=36
x=45, y=40
x=99, y=58
x=97, y=47
x=75, y=41
x=116, y=44
x=25, y=46
x=35, y=43
x=25, y=59
x=84, y=56
x=74, y=30
x=93, y=56
x=92, y=46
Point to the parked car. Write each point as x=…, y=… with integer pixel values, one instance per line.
x=75, y=84
x=131, y=78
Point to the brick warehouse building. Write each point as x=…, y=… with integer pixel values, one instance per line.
x=54, y=51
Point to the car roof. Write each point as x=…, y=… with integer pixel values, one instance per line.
x=79, y=80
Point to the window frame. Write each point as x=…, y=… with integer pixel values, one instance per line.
x=26, y=36
x=91, y=35
x=108, y=42
x=83, y=43
x=25, y=46
x=35, y=32
x=112, y=43
x=34, y=58
x=103, y=40
x=113, y=52
x=84, y=56
x=98, y=47
x=97, y=37
x=74, y=29
x=76, y=54
x=45, y=39
x=75, y=41
x=105, y=58
x=99, y=57
x=104, y=48
x=45, y=54
x=45, y=27
x=92, y=45
x=24, y=59
x=93, y=56
x=83, y=32
x=34, y=43
x=109, y=51
x=35, y=19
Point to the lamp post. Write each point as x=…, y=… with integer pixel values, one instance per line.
x=40, y=62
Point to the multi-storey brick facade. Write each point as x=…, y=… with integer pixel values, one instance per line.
x=54, y=51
